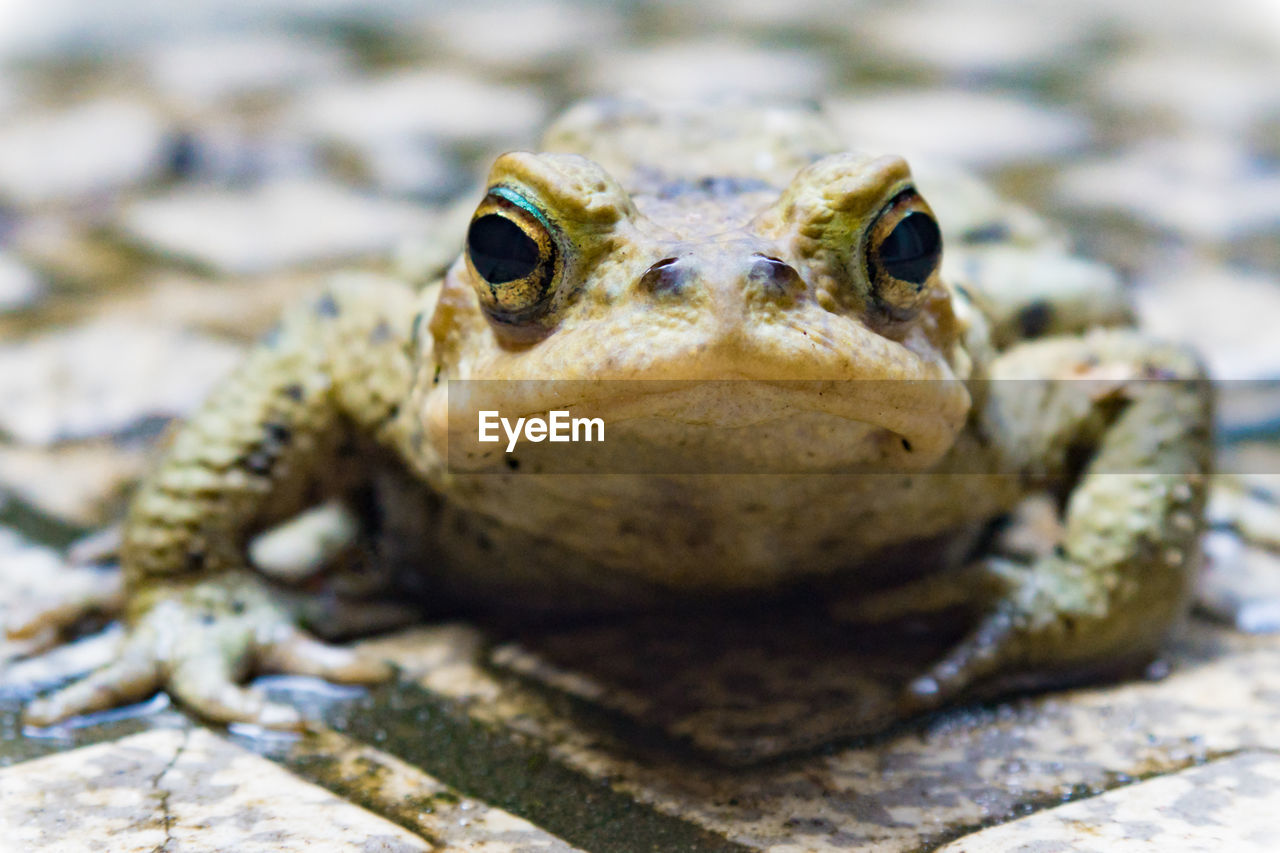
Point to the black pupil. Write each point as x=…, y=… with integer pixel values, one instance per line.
x=500, y=250
x=910, y=252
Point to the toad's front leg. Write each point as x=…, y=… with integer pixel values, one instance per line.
x=263, y=447
x=1139, y=422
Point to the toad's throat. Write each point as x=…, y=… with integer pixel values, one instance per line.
x=720, y=426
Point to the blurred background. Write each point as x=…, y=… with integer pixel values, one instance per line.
x=170, y=174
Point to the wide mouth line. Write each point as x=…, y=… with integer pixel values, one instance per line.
x=630, y=400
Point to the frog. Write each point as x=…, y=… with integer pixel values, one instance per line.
x=797, y=385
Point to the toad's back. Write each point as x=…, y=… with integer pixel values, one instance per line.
x=694, y=166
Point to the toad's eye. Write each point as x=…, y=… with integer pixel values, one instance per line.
x=514, y=256
x=903, y=251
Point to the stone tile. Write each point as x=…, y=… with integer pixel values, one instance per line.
x=429, y=255
x=243, y=308
x=979, y=130
x=83, y=483
x=405, y=794
x=105, y=378
x=1228, y=315
x=77, y=255
x=10, y=94
x=72, y=29
x=766, y=18
x=528, y=38
x=205, y=70
x=969, y=210
x=1218, y=89
x=278, y=225
x=1244, y=25
x=710, y=68
x=35, y=579
x=88, y=150
x=446, y=107
x=1228, y=804
x=414, y=169
x=1200, y=187
x=972, y=38
x=232, y=151
x=180, y=790
x=1240, y=584
x=908, y=791
x=20, y=287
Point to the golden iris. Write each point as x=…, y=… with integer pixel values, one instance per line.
x=903, y=251
x=513, y=254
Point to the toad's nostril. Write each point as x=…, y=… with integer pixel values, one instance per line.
x=665, y=277
x=774, y=277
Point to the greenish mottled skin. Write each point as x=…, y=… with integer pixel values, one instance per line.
x=687, y=245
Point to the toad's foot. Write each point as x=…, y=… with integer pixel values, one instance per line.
x=1040, y=620
x=198, y=642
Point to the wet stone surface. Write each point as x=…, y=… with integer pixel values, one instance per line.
x=907, y=791
x=191, y=790
x=1226, y=804
x=171, y=176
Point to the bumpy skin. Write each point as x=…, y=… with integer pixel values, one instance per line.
x=693, y=244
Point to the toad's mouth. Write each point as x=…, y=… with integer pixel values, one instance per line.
x=697, y=426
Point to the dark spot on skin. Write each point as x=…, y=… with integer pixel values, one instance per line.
x=278, y=434
x=238, y=606
x=483, y=542
x=262, y=458
x=990, y=232
x=667, y=277
x=906, y=445
x=326, y=306
x=293, y=392
x=1153, y=371
x=774, y=276
x=381, y=333
x=513, y=463
x=435, y=378
x=1059, y=551
x=207, y=618
x=195, y=561
x=1034, y=319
